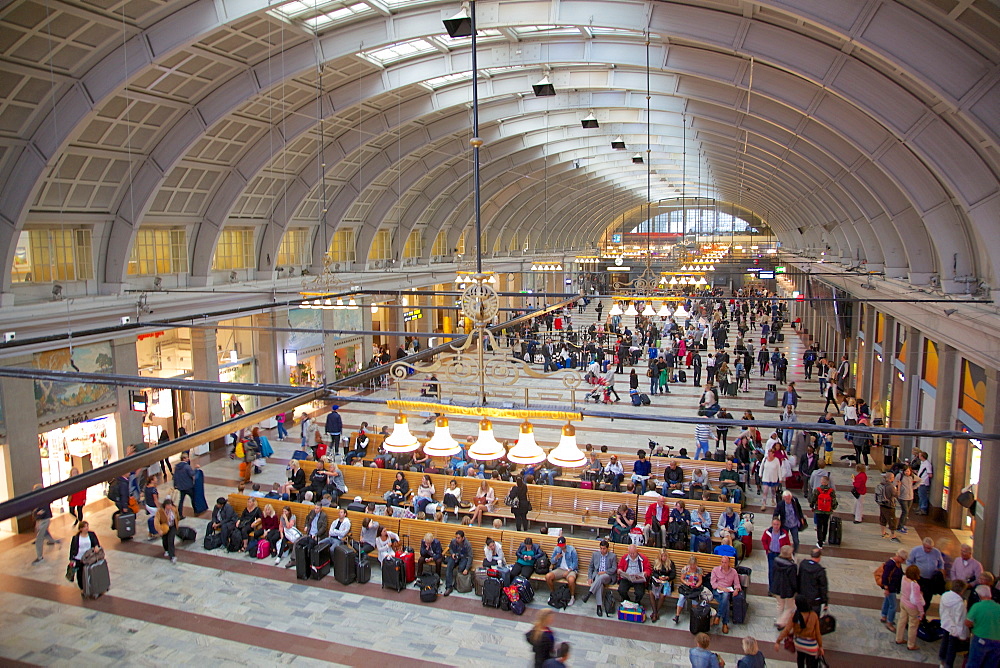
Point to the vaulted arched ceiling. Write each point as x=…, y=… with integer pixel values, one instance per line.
x=870, y=126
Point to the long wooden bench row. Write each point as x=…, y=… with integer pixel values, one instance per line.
x=413, y=531
x=557, y=506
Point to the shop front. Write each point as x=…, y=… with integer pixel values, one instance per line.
x=83, y=445
x=165, y=354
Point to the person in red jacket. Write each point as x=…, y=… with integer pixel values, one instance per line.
x=77, y=500
x=657, y=519
x=634, y=571
x=773, y=539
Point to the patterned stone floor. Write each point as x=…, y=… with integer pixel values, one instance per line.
x=230, y=610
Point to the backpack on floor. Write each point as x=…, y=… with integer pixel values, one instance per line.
x=559, y=598
x=429, y=583
x=514, y=601
x=263, y=548
x=235, y=542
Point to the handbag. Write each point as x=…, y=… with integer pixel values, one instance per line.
x=827, y=624
x=71, y=571
x=292, y=534
x=966, y=499
x=93, y=555
x=789, y=644
x=855, y=493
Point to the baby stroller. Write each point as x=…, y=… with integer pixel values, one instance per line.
x=600, y=393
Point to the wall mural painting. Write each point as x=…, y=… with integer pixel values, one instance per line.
x=56, y=397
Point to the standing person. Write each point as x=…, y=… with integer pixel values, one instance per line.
x=184, y=483
x=911, y=608
x=905, y=484
x=859, y=487
x=522, y=506
x=813, y=582
x=805, y=632
x=83, y=540
x=930, y=562
x=166, y=520
x=984, y=620
x=603, y=566
x=784, y=585
x=926, y=472
x=702, y=434
x=965, y=568
x=701, y=656
x=77, y=500
x=956, y=633
x=891, y=582
x=541, y=638
x=752, y=656
x=792, y=518
x=773, y=539
x=770, y=476
x=823, y=502
x=788, y=417
x=885, y=498
x=282, y=431
x=151, y=499
x=334, y=428
x=42, y=515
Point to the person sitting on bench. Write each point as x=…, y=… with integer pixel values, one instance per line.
x=565, y=564
x=673, y=478
x=430, y=551
x=634, y=570
x=360, y=446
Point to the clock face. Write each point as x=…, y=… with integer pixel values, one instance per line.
x=480, y=302
x=618, y=261
x=510, y=276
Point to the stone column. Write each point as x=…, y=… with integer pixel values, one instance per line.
x=867, y=361
x=205, y=366
x=945, y=403
x=267, y=349
x=22, y=463
x=129, y=422
x=911, y=370
x=986, y=537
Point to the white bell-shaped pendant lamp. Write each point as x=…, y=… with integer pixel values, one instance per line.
x=664, y=311
x=441, y=444
x=526, y=450
x=566, y=454
x=631, y=309
x=486, y=447
x=681, y=312
x=648, y=311
x=615, y=309
x=401, y=440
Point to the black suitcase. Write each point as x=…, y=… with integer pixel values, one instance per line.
x=345, y=564
x=772, y=339
x=524, y=589
x=187, y=534
x=492, y=592
x=682, y=376
x=96, y=579
x=319, y=561
x=771, y=399
x=125, y=526
x=740, y=607
x=836, y=532
x=781, y=337
x=393, y=574
x=644, y=399
x=303, y=548
x=363, y=569
x=701, y=618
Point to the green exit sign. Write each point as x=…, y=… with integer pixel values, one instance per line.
x=779, y=270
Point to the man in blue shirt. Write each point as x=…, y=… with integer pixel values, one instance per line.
x=565, y=564
x=641, y=471
x=930, y=561
x=334, y=428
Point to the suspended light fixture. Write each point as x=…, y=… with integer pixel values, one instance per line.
x=374, y=309
x=681, y=312
x=637, y=159
x=351, y=304
x=673, y=280
x=615, y=309
x=526, y=450
x=618, y=143
x=340, y=304
x=305, y=304
x=459, y=25
x=401, y=440
x=664, y=311
x=566, y=454
x=486, y=447
x=631, y=309
x=590, y=122
x=648, y=311
x=544, y=87
x=441, y=444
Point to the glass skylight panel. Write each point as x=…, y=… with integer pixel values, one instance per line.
x=616, y=31
x=447, y=79
x=399, y=51
x=320, y=15
x=483, y=35
x=551, y=30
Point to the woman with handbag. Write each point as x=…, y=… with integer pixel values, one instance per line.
x=288, y=533
x=484, y=501
x=662, y=582
x=82, y=542
x=166, y=521
x=621, y=523
x=690, y=585
x=519, y=504
x=859, y=487
x=804, y=634
x=911, y=608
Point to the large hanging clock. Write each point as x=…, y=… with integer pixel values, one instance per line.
x=480, y=302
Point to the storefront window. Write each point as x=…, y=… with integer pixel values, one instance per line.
x=84, y=445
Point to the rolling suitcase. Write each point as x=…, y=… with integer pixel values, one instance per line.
x=781, y=337
x=492, y=592
x=682, y=376
x=478, y=578
x=303, y=548
x=363, y=569
x=319, y=561
x=740, y=607
x=770, y=399
x=636, y=401
x=836, y=532
x=393, y=574
x=644, y=399
x=345, y=564
x=409, y=565
x=701, y=618
x=96, y=579
x=125, y=526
